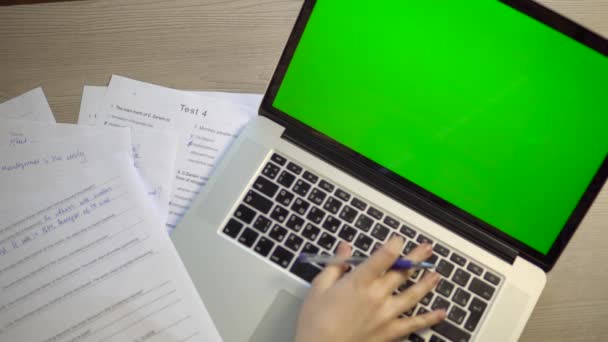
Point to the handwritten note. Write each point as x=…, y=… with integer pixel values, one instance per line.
x=31, y=106
x=84, y=258
x=206, y=127
x=157, y=177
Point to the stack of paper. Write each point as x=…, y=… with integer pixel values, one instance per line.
x=84, y=249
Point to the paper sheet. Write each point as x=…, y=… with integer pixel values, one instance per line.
x=30, y=106
x=87, y=260
x=206, y=127
x=92, y=98
x=157, y=178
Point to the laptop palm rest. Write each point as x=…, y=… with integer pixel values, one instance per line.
x=280, y=320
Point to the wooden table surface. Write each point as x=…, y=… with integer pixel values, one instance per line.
x=234, y=45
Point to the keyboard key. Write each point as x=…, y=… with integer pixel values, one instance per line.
x=264, y=246
x=440, y=303
x=409, y=246
x=262, y=224
x=426, y=300
x=359, y=204
x=306, y=271
x=475, y=269
x=331, y=223
x=364, y=222
x=391, y=222
x=445, y=287
x=479, y=287
x=407, y=231
x=441, y=250
x=301, y=188
x=332, y=205
x=248, y=237
x=491, y=278
x=286, y=179
x=294, y=242
x=327, y=241
x=364, y=242
x=300, y=206
x=375, y=213
x=310, y=177
x=461, y=297
x=348, y=214
x=270, y=170
x=405, y=285
x=421, y=311
x=317, y=196
x=461, y=277
x=457, y=315
x=233, y=228
x=444, y=268
x=265, y=186
x=458, y=259
x=294, y=168
x=436, y=338
x=347, y=233
x=315, y=215
x=343, y=195
x=281, y=256
x=413, y=336
x=285, y=197
x=277, y=233
x=294, y=222
x=376, y=247
x=452, y=332
x=327, y=186
x=310, y=248
x=277, y=158
x=244, y=213
x=423, y=239
x=258, y=201
x=310, y=232
x=433, y=258
x=358, y=253
x=380, y=232
x=279, y=214
x=476, y=310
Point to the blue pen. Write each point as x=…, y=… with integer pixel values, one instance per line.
x=400, y=264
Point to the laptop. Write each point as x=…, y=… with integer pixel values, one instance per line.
x=476, y=126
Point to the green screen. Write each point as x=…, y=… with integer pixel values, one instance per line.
x=474, y=101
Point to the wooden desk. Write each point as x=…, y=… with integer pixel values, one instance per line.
x=234, y=45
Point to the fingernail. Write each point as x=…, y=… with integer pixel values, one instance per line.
x=435, y=278
x=443, y=313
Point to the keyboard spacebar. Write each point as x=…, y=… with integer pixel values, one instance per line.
x=452, y=332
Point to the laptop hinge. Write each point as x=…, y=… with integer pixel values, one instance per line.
x=403, y=195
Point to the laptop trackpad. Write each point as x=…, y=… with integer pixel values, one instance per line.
x=280, y=320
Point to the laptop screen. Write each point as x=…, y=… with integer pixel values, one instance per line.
x=473, y=101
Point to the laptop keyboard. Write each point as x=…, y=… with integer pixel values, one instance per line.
x=289, y=210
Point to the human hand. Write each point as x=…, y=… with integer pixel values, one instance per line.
x=360, y=306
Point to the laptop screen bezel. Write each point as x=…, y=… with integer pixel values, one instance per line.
x=409, y=193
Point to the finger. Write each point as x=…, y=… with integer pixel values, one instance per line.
x=381, y=260
x=393, y=279
x=332, y=272
x=408, y=299
x=402, y=327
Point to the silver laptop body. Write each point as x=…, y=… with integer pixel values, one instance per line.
x=252, y=299
x=240, y=241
